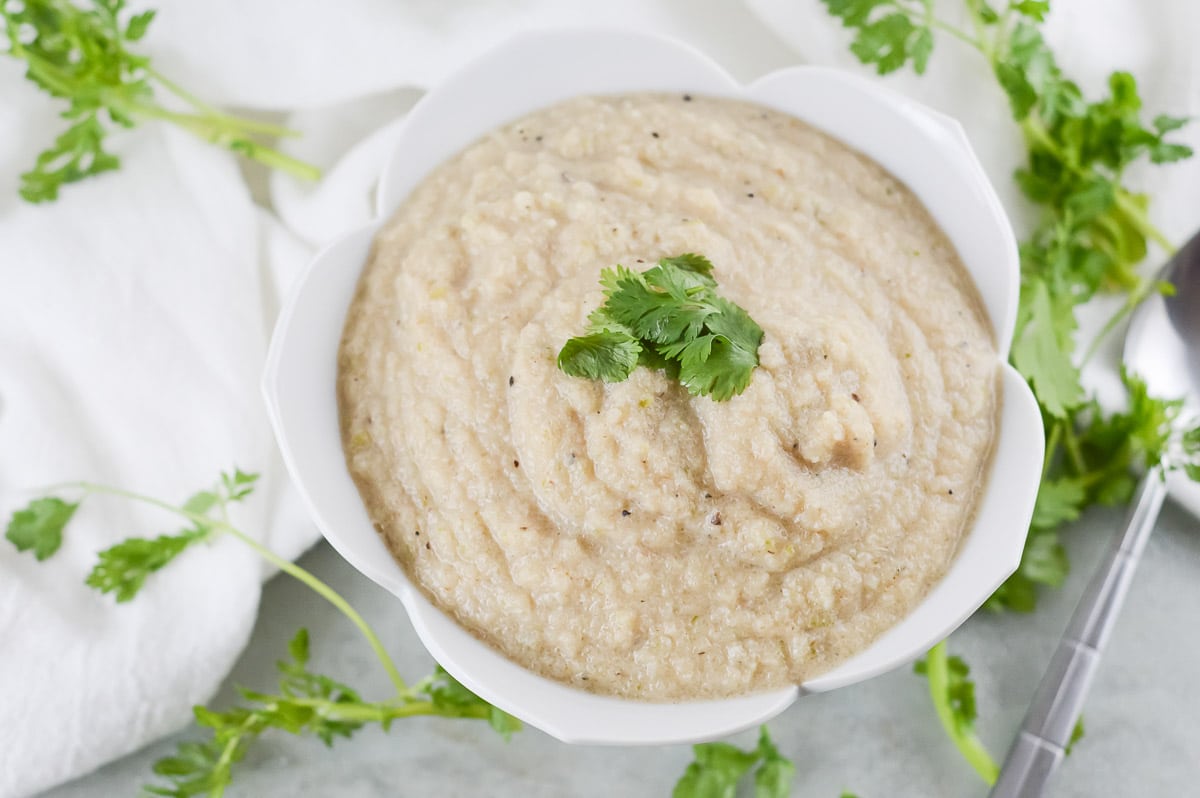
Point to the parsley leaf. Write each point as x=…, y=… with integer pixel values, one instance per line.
x=80, y=53
x=667, y=317
x=719, y=767
x=39, y=527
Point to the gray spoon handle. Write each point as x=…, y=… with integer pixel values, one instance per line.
x=1059, y=699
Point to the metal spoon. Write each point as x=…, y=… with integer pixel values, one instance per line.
x=1163, y=347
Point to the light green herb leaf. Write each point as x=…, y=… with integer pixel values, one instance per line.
x=1059, y=501
x=1041, y=352
x=201, y=502
x=715, y=772
x=123, y=568
x=238, y=485
x=775, y=775
x=39, y=526
x=691, y=262
x=1035, y=9
x=719, y=767
x=138, y=25
x=607, y=355
x=1077, y=734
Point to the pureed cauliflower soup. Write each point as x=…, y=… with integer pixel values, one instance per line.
x=626, y=537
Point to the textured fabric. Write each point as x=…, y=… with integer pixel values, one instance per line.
x=134, y=313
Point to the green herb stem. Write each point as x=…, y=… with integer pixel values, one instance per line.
x=283, y=564
x=1051, y=446
x=249, y=125
x=330, y=595
x=231, y=134
x=387, y=711
x=972, y=750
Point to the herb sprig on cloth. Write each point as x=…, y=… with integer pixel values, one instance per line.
x=670, y=317
x=306, y=703
x=82, y=54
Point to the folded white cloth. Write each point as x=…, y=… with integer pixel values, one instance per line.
x=132, y=330
x=134, y=313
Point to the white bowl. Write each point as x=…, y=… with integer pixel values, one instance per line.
x=924, y=149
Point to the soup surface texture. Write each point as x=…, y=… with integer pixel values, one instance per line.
x=628, y=538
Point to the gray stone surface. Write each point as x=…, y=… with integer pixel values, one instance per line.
x=879, y=739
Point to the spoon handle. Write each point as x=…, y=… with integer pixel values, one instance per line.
x=1046, y=730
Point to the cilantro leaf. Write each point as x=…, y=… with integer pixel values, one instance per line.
x=719, y=767
x=667, y=317
x=691, y=262
x=447, y=693
x=39, y=526
x=122, y=569
x=606, y=355
x=775, y=775
x=1035, y=9
x=887, y=35
x=238, y=485
x=1041, y=352
x=715, y=772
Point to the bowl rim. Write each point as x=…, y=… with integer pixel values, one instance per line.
x=299, y=412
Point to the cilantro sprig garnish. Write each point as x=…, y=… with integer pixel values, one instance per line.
x=82, y=54
x=306, y=702
x=667, y=317
x=718, y=768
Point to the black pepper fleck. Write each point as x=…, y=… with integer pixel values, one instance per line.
x=516, y=463
x=428, y=546
x=951, y=491
x=854, y=396
x=654, y=133
x=750, y=194
x=625, y=513
x=539, y=138
x=511, y=381
x=417, y=532
x=687, y=98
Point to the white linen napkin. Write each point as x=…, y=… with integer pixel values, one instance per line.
x=134, y=313
x=132, y=332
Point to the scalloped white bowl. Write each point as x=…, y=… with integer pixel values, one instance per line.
x=924, y=149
